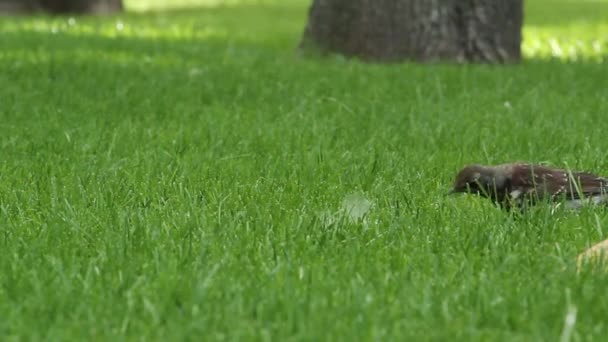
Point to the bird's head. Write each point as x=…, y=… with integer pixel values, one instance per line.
x=478, y=179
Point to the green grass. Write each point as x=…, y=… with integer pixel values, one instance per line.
x=184, y=174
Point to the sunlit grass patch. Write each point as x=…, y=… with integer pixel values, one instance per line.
x=127, y=27
x=222, y=23
x=572, y=42
x=156, y=5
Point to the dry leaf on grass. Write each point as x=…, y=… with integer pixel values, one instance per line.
x=596, y=254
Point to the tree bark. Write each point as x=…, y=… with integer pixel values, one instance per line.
x=61, y=6
x=421, y=30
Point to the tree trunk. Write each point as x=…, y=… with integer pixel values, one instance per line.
x=422, y=30
x=61, y=6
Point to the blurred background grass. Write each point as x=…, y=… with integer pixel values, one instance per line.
x=155, y=5
x=561, y=29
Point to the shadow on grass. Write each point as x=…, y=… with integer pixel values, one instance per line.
x=537, y=12
x=563, y=12
x=238, y=70
x=226, y=49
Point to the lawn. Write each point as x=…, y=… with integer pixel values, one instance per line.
x=182, y=174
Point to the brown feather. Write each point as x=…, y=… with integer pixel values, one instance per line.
x=548, y=182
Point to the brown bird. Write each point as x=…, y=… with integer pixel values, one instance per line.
x=518, y=184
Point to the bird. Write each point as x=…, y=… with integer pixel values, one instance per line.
x=520, y=184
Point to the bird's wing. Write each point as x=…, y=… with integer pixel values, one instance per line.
x=548, y=182
x=585, y=184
